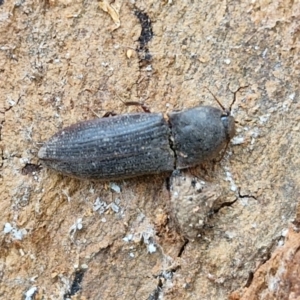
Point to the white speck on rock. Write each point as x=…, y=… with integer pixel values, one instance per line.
x=151, y=248
x=113, y=186
x=30, y=293
x=7, y=228
x=237, y=140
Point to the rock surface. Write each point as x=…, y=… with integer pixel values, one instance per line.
x=65, y=61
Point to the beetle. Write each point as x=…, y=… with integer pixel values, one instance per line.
x=131, y=145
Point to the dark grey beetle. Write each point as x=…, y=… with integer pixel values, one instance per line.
x=131, y=145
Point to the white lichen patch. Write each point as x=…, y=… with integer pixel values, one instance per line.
x=142, y=231
x=30, y=293
x=16, y=233
x=75, y=227
x=230, y=179
x=101, y=206
x=114, y=187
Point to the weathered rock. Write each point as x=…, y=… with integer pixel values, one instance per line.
x=65, y=61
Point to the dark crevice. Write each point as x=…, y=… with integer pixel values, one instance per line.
x=2, y=160
x=147, y=32
x=155, y=294
x=225, y=204
x=145, y=36
x=6, y=110
x=103, y=251
x=272, y=246
x=168, y=183
x=12, y=106
x=265, y=258
x=266, y=252
x=193, y=183
x=296, y=223
x=162, y=277
x=76, y=284
x=250, y=279
x=182, y=248
x=245, y=196
x=143, y=53
x=172, y=271
x=29, y=169
x=172, y=145
x=175, y=173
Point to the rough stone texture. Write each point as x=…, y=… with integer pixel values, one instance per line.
x=192, y=202
x=63, y=61
x=278, y=278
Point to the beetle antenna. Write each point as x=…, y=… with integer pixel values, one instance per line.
x=144, y=107
x=223, y=152
x=234, y=94
x=219, y=102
